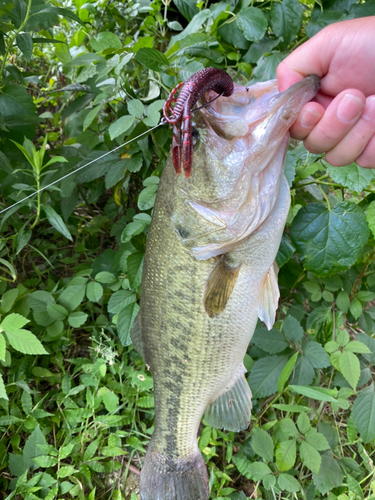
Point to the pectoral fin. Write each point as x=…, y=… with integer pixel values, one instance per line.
x=270, y=297
x=231, y=410
x=220, y=285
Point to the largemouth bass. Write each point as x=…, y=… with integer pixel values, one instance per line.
x=210, y=273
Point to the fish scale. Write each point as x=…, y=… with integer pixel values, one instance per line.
x=198, y=314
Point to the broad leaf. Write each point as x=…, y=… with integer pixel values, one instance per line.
x=94, y=291
x=151, y=58
x=105, y=40
x=329, y=240
x=271, y=341
x=265, y=374
x=315, y=353
x=364, y=413
x=349, y=367
x=262, y=444
x=352, y=176
x=292, y=329
x=25, y=342
x=253, y=23
x=310, y=457
x=330, y=475
x=25, y=44
x=121, y=126
x=286, y=454
x=288, y=482
x=125, y=322
x=286, y=19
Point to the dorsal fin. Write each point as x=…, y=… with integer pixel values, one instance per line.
x=220, y=285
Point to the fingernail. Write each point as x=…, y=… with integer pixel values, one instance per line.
x=349, y=108
x=369, y=111
x=309, y=118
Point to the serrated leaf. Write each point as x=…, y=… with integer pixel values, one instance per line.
x=3, y=392
x=262, y=444
x=329, y=240
x=343, y=301
x=135, y=267
x=317, y=393
x=149, y=402
x=13, y=322
x=364, y=413
x=317, y=440
x=27, y=402
x=56, y=221
x=136, y=108
x=357, y=347
x=352, y=176
x=65, y=451
x=253, y=23
x=292, y=329
x=258, y=471
x=77, y=319
x=287, y=371
x=105, y=40
x=288, y=483
x=91, y=450
x=94, y=291
x=310, y=457
x=2, y=347
x=120, y=126
x=356, y=308
x=125, y=322
x=286, y=19
x=303, y=423
x=151, y=58
x=317, y=355
x=56, y=312
x=31, y=448
x=265, y=375
x=25, y=44
x=45, y=461
x=349, y=367
x=330, y=475
x=66, y=471
x=286, y=455
x=331, y=346
x=271, y=341
x=370, y=217
x=72, y=296
x=111, y=401
x=25, y=342
x=120, y=299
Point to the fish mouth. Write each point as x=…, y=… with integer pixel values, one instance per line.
x=238, y=114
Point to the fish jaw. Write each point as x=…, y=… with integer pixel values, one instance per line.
x=238, y=162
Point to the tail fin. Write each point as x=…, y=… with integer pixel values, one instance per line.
x=165, y=479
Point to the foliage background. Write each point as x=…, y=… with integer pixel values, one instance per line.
x=76, y=404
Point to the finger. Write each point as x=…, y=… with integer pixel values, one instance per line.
x=340, y=117
x=367, y=158
x=355, y=142
x=308, y=118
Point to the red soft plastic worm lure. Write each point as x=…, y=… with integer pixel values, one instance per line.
x=180, y=115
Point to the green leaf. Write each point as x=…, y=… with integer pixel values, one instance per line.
x=25, y=44
x=94, y=291
x=317, y=440
x=31, y=449
x=286, y=454
x=351, y=176
x=45, y=461
x=72, y=296
x=105, y=40
x=284, y=429
x=310, y=457
x=356, y=308
x=77, y=319
x=370, y=217
x=317, y=393
x=120, y=126
x=357, y=347
x=286, y=249
x=286, y=19
x=364, y=413
x=56, y=312
x=287, y=371
x=292, y=329
x=105, y=277
x=349, y=367
x=27, y=402
x=140, y=222
x=8, y=299
x=271, y=341
x=66, y=471
x=304, y=372
x=120, y=299
x=151, y=58
x=365, y=296
x=288, y=483
x=136, y=108
x=317, y=355
x=330, y=475
x=258, y=471
x=135, y=267
x=91, y=115
x=125, y=322
x=303, y=423
x=111, y=401
x=147, y=197
x=343, y=301
x=253, y=23
x=25, y=342
x=188, y=8
x=149, y=402
x=65, y=451
x=3, y=392
x=370, y=343
x=329, y=240
x=56, y=221
x=262, y=444
x=13, y=322
x=265, y=375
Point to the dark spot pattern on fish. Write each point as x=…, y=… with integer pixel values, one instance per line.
x=183, y=232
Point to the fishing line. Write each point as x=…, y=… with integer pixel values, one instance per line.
x=162, y=122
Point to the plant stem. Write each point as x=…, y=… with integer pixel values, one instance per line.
x=12, y=38
x=37, y=178
x=358, y=281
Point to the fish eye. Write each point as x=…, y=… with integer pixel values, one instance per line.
x=195, y=135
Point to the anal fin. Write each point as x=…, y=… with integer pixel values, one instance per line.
x=220, y=285
x=270, y=297
x=231, y=410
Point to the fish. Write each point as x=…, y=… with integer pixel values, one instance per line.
x=210, y=273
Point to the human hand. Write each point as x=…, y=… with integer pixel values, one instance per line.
x=341, y=120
